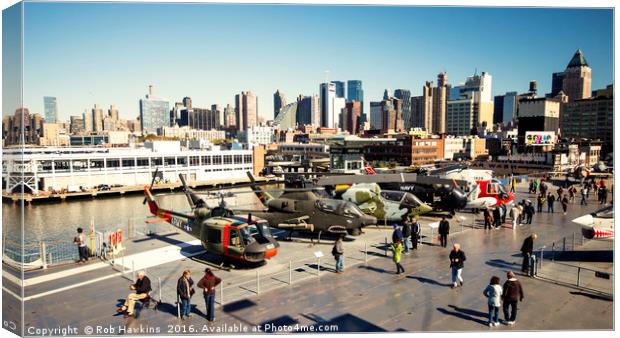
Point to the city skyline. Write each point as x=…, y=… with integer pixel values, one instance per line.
x=120, y=49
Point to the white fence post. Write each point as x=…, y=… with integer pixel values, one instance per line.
x=159, y=283
x=257, y=281
x=43, y=255
x=221, y=294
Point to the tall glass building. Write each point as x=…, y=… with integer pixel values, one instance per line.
x=355, y=91
x=339, y=88
x=50, y=106
x=154, y=114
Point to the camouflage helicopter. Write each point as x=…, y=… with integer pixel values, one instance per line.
x=385, y=205
x=304, y=210
x=240, y=239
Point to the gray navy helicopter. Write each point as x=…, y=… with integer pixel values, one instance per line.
x=304, y=210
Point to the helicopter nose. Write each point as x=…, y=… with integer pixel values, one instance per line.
x=369, y=220
x=271, y=252
x=425, y=208
x=587, y=232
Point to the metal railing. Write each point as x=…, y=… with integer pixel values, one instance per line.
x=295, y=271
x=578, y=276
x=568, y=274
x=41, y=254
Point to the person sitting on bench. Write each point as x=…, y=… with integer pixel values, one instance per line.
x=142, y=287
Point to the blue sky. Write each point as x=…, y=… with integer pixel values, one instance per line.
x=109, y=53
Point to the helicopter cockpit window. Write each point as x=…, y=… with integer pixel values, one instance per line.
x=214, y=236
x=351, y=210
x=605, y=213
x=392, y=195
x=234, y=238
x=327, y=205
x=493, y=188
x=250, y=234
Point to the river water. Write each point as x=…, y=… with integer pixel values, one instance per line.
x=58, y=221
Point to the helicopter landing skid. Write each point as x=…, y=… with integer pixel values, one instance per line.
x=211, y=264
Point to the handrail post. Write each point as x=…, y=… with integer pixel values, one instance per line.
x=159, y=285
x=385, y=248
x=318, y=266
x=578, y=275
x=365, y=253
x=43, y=255
x=563, y=244
x=257, y=281
x=553, y=251
x=541, y=256
x=290, y=272
x=573, y=241
x=221, y=294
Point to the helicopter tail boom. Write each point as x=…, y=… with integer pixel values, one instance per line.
x=263, y=196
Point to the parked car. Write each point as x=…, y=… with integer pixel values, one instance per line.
x=103, y=187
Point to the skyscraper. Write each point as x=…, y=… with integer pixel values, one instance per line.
x=387, y=94
x=327, y=95
x=87, y=117
x=50, y=107
x=218, y=117
x=557, y=81
x=591, y=118
x=339, y=88
x=97, y=119
x=440, y=104
x=246, y=110
x=511, y=105
x=76, y=124
x=353, y=111
x=472, y=110
x=279, y=101
x=154, y=113
x=498, y=109
x=308, y=110
x=417, y=112
x=316, y=110
x=577, y=82
x=229, y=116
x=355, y=91
x=404, y=95
x=187, y=102
x=113, y=112
x=427, y=106
x=376, y=115
x=481, y=88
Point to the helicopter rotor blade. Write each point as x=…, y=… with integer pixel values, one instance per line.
x=152, y=182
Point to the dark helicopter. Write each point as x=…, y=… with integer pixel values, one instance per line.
x=306, y=211
x=441, y=194
x=242, y=239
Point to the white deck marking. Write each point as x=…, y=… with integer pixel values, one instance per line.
x=11, y=278
x=69, y=287
x=140, y=261
x=12, y=293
